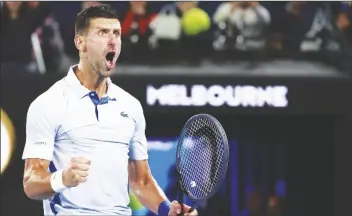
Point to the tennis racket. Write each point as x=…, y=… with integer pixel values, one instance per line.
x=201, y=160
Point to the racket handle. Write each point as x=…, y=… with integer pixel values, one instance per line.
x=191, y=210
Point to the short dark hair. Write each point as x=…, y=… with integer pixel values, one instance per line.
x=99, y=11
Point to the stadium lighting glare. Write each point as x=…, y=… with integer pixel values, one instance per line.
x=7, y=141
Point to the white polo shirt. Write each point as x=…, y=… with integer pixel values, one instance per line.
x=69, y=121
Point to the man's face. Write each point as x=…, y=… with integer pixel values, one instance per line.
x=102, y=45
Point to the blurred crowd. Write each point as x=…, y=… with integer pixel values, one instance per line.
x=38, y=36
x=254, y=204
x=269, y=206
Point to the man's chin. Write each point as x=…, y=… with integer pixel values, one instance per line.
x=107, y=73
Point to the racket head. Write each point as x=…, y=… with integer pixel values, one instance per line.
x=202, y=157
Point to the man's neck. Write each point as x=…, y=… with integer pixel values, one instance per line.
x=91, y=80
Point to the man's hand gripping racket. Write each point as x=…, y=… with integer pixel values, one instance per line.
x=202, y=159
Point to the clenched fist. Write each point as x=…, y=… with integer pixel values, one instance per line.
x=176, y=210
x=76, y=173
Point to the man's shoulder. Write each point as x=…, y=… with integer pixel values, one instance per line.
x=51, y=99
x=125, y=96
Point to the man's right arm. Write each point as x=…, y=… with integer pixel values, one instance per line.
x=39, y=184
x=36, y=180
x=39, y=147
x=41, y=129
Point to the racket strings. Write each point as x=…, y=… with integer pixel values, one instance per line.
x=208, y=177
x=199, y=177
x=202, y=154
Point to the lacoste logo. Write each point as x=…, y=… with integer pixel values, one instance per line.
x=123, y=114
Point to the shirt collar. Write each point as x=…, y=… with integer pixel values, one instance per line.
x=82, y=91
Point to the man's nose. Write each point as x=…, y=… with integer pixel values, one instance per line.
x=112, y=42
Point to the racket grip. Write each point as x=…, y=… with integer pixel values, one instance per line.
x=193, y=208
x=190, y=210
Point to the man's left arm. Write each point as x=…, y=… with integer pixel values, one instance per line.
x=144, y=186
x=142, y=183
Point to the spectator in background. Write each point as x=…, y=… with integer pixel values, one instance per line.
x=51, y=42
x=180, y=31
x=68, y=32
x=289, y=26
x=18, y=22
x=247, y=23
x=140, y=14
x=253, y=203
x=344, y=20
x=86, y=4
x=275, y=206
x=136, y=31
x=195, y=26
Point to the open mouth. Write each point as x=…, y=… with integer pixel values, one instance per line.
x=110, y=58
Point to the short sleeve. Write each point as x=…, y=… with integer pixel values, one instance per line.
x=40, y=130
x=138, y=148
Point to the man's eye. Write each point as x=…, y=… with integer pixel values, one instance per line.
x=102, y=33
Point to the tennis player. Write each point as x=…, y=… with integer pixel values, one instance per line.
x=86, y=143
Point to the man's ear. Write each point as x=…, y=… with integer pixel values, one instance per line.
x=80, y=43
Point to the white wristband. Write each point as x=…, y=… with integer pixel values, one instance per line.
x=56, y=182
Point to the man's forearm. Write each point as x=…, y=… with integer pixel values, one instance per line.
x=37, y=185
x=149, y=194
